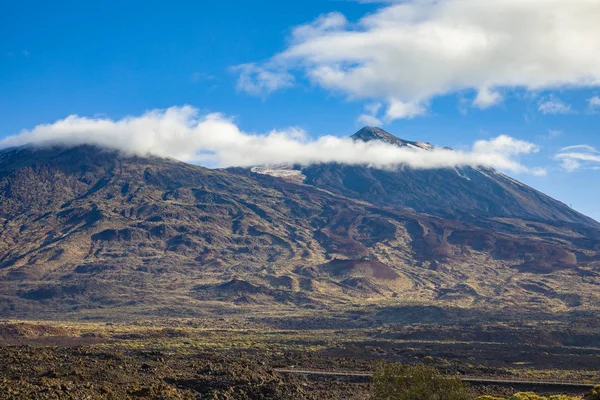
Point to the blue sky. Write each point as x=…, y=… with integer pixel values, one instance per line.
x=115, y=59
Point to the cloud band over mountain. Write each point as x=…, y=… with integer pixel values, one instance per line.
x=214, y=140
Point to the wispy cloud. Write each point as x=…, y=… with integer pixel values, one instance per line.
x=261, y=81
x=370, y=116
x=551, y=134
x=369, y=120
x=487, y=98
x=553, y=105
x=373, y=108
x=410, y=51
x=398, y=109
x=554, y=133
x=213, y=139
x=198, y=77
x=573, y=158
x=594, y=103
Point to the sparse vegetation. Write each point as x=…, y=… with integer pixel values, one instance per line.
x=534, y=396
x=294, y=275
x=178, y=349
x=594, y=394
x=531, y=396
x=415, y=382
x=88, y=233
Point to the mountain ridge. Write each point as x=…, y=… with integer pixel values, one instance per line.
x=474, y=192
x=369, y=133
x=87, y=231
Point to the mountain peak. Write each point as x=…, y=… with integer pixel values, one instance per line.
x=369, y=133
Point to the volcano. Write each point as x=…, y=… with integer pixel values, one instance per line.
x=86, y=231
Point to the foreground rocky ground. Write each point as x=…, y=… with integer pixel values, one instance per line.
x=80, y=373
x=189, y=359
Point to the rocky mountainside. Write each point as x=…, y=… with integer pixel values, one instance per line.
x=369, y=133
x=466, y=193
x=88, y=231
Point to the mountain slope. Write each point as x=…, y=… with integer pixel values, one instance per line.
x=93, y=232
x=369, y=133
x=467, y=192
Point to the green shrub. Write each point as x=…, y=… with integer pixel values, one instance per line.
x=527, y=396
x=594, y=394
x=415, y=382
x=488, y=397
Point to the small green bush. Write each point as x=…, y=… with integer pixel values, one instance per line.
x=415, y=382
x=527, y=396
x=594, y=394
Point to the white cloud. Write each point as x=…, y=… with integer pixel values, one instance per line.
x=594, y=103
x=538, y=171
x=463, y=105
x=259, y=81
x=573, y=158
x=373, y=108
x=487, y=98
x=504, y=145
x=414, y=50
x=370, y=117
x=579, y=147
x=323, y=24
x=553, y=105
x=213, y=139
x=369, y=120
x=398, y=109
